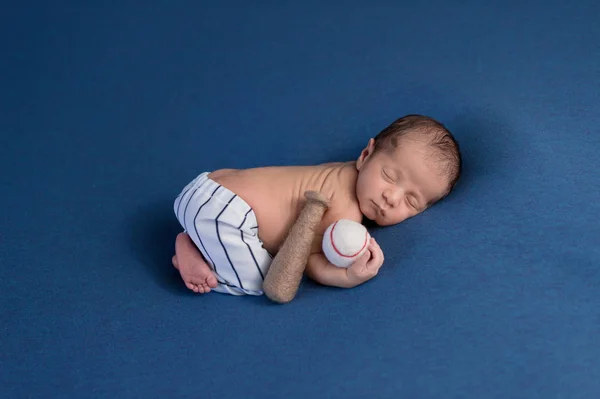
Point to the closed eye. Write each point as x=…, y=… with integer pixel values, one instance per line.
x=386, y=175
x=412, y=203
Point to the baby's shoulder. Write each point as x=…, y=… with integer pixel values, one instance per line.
x=344, y=207
x=343, y=201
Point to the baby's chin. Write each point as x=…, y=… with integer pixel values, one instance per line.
x=367, y=221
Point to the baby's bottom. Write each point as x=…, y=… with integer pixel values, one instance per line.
x=224, y=229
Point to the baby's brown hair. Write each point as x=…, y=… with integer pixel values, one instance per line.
x=437, y=136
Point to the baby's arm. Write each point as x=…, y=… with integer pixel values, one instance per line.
x=323, y=272
x=319, y=269
x=363, y=269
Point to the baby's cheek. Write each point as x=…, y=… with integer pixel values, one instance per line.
x=398, y=216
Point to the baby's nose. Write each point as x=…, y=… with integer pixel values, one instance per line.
x=392, y=198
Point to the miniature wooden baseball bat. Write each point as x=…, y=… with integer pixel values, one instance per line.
x=285, y=273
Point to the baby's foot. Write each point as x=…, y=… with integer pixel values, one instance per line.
x=195, y=272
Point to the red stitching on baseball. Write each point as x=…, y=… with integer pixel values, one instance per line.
x=338, y=251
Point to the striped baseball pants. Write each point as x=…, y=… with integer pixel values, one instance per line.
x=225, y=230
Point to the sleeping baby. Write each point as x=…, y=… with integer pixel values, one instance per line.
x=234, y=221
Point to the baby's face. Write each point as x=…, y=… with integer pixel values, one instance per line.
x=397, y=184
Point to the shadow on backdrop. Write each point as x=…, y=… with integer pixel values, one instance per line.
x=153, y=229
x=486, y=142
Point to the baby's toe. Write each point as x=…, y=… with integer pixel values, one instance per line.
x=192, y=287
x=206, y=288
x=211, y=281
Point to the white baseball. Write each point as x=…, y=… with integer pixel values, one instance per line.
x=345, y=241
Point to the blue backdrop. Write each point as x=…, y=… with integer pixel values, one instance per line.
x=108, y=110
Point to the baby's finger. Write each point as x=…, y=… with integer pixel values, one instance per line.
x=377, y=248
x=375, y=261
x=381, y=257
x=364, y=258
x=375, y=243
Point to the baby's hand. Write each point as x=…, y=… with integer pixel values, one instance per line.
x=367, y=266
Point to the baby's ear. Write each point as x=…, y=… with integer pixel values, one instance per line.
x=365, y=153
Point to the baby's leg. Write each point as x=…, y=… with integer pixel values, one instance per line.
x=194, y=270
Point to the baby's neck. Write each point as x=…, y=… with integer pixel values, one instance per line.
x=346, y=177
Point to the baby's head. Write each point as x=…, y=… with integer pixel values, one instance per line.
x=409, y=166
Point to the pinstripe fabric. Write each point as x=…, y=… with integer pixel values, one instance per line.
x=225, y=230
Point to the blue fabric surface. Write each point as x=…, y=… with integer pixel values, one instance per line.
x=108, y=110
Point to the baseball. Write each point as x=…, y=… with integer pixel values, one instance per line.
x=345, y=241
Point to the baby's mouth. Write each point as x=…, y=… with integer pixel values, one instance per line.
x=378, y=210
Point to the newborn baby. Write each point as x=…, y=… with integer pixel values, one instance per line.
x=235, y=221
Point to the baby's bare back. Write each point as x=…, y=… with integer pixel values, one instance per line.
x=276, y=194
